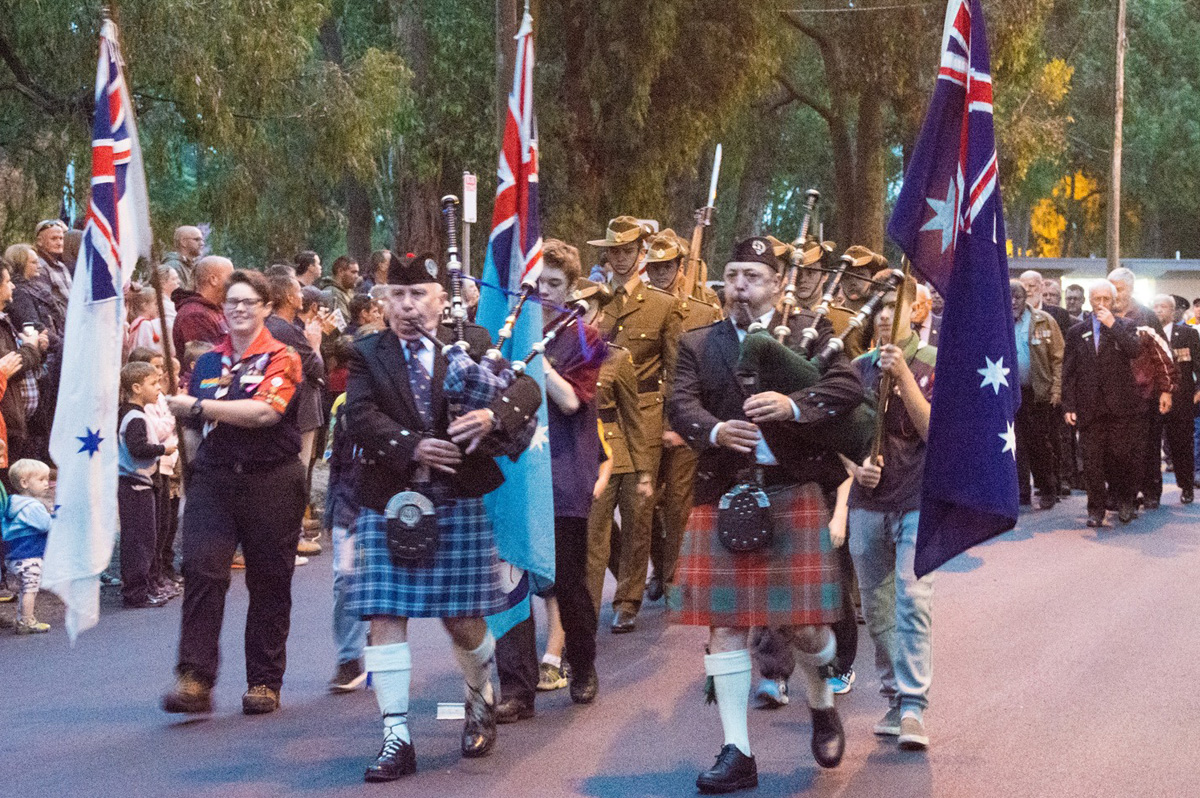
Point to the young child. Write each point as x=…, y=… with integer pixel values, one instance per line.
x=138, y=461
x=26, y=525
x=145, y=328
x=162, y=428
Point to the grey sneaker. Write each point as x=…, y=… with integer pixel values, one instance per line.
x=912, y=734
x=889, y=724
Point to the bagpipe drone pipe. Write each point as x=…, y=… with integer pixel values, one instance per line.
x=769, y=365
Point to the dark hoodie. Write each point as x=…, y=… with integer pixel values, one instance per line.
x=196, y=319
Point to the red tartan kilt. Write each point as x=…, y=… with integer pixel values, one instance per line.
x=793, y=582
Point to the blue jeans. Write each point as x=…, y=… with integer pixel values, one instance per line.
x=349, y=632
x=898, y=606
x=1196, y=444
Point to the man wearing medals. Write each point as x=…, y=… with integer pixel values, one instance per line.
x=753, y=439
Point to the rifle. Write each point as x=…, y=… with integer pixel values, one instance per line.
x=704, y=217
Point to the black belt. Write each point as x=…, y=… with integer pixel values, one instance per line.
x=250, y=467
x=649, y=385
x=608, y=415
x=771, y=475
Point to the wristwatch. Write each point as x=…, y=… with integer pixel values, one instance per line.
x=197, y=410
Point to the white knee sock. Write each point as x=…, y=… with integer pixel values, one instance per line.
x=477, y=667
x=730, y=672
x=391, y=672
x=820, y=694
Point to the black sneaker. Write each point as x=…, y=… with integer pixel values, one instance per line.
x=733, y=771
x=347, y=677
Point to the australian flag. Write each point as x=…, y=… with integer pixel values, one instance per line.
x=522, y=509
x=83, y=439
x=950, y=223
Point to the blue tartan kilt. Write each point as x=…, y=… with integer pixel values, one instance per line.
x=461, y=581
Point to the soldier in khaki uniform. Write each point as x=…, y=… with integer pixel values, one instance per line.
x=677, y=466
x=623, y=429
x=647, y=322
x=856, y=289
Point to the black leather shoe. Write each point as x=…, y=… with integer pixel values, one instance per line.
x=397, y=758
x=654, y=588
x=733, y=771
x=1095, y=520
x=479, y=732
x=1126, y=513
x=624, y=621
x=584, y=686
x=511, y=710
x=1187, y=496
x=828, y=738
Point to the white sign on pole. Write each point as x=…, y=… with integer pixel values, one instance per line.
x=470, y=198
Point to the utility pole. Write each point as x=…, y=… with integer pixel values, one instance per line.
x=1114, y=199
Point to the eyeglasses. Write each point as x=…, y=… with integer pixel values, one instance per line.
x=248, y=304
x=48, y=223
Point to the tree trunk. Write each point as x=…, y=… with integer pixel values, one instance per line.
x=755, y=185
x=871, y=184
x=416, y=195
x=360, y=217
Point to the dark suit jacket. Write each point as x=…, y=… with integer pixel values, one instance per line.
x=382, y=418
x=1060, y=315
x=707, y=391
x=1185, y=349
x=1100, y=384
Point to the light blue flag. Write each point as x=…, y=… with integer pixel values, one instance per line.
x=522, y=509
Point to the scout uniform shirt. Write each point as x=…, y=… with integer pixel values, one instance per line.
x=647, y=322
x=267, y=372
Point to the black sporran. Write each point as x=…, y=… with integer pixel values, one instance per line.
x=744, y=522
x=412, y=528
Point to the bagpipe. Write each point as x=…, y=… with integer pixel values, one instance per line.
x=812, y=197
x=471, y=385
x=766, y=364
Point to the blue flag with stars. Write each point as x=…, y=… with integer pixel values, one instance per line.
x=83, y=438
x=949, y=221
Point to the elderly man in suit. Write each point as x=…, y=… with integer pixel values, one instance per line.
x=425, y=468
x=1100, y=397
x=761, y=437
x=1179, y=420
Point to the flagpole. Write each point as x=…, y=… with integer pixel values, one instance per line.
x=885, y=381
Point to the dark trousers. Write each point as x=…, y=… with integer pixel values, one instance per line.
x=1147, y=442
x=262, y=512
x=139, y=539
x=1035, y=429
x=516, y=651
x=1178, y=429
x=1068, y=454
x=1107, y=443
x=167, y=517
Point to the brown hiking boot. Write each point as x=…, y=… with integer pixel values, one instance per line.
x=188, y=696
x=259, y=700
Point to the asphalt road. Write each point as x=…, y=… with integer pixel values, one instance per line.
x=1062, y=660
